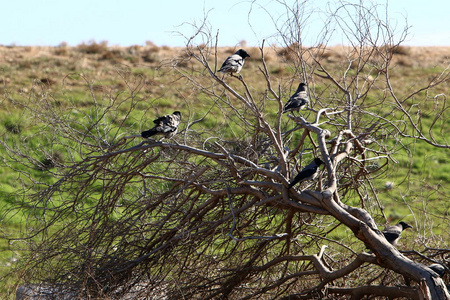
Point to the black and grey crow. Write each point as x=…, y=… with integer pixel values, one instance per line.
x=438, y=268
x=234, y=63
x=298, y=100
x=166, y=125
x=308, y=173
x=392, y=233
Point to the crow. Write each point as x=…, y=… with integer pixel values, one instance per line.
x=438, y=268
x=166, y=125
x=234, y=63
x=392, y=233
x=298, y=100
x=310, y=172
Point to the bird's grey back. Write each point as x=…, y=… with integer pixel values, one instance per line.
x=301, y=93
x=397, y=229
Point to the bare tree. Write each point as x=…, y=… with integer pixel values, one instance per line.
x=211, y=216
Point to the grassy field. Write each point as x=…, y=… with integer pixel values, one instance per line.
x=416, y=189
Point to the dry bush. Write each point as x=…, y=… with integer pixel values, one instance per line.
x=61, y=51
x=150, y=53
x=150, y=56
x=47, y=81
x=288, y=53
x=113, y=55
x=92, y=47
x=404, y=61
x=324, y=53
x=166, y=48
x=278, y=71
x=400, y=50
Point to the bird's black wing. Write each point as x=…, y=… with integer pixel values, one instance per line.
x=289, y=105
x=391, y=236
x=149, y=133
x=294, y=103
x=159, y=129
x=160, y=119
x=303, y=175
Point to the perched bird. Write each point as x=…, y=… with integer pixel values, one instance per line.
x=392, y=233
x=166, y=125
x=438, y=268
x=298, y=100
x=308, y=173
x=234, y=63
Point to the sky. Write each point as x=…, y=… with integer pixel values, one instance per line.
x=171, y=22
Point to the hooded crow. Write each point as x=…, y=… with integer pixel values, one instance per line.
x=166, y=125
x=298, y=100
x=234, y=63
x=310, y=172
x=392, y=233
x=438, y=268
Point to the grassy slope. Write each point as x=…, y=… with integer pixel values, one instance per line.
x=420, y=179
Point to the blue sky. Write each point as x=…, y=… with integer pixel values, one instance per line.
x=133, y=22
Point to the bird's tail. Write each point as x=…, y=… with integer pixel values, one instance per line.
x=149, y=133
x=291, y=184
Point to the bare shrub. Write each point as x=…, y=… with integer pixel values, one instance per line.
x=62, y=49
x=404, y=61
x=289, y=52
x=400, y=50
x=114, y=55
x=92, y=47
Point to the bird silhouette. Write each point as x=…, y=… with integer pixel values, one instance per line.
x=309, y=172
x=234, y=63
x=298, y=100
x=392, y=233
x=166, y=125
